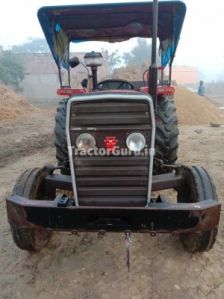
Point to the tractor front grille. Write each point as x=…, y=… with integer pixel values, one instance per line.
x=111, y=180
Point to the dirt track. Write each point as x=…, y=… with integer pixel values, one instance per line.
x=83, y=267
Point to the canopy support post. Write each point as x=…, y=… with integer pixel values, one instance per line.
x=170, y=72
x=59, y=74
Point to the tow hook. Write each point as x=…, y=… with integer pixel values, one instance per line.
x=152, y=232
x=128, y=241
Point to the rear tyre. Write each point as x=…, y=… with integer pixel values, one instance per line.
x=29, y=185
x=60, y=138
x=166, y=139
x=199, y=187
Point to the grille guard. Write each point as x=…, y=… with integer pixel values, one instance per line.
x=104, y=96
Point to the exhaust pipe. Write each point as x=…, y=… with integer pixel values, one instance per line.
x=153, y=68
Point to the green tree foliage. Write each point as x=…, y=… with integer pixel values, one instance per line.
x=11, y=69
x=32, y=45
x=140, y=54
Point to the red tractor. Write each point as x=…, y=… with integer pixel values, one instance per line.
x=116, y=145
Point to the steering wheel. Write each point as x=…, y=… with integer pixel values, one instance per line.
x=115, y=84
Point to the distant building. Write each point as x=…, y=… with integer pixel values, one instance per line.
x=185, y=75
x=41, y=75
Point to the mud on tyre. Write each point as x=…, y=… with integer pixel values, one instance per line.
x=29, y=186
x=199, y=187
x=166, y=139
x=60, y=137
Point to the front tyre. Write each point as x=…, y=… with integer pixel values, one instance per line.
x=199, y=187
x=29, y=185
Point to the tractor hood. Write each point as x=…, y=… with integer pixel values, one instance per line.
x=112, y=23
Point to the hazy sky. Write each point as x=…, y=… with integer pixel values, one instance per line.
x=201, y=44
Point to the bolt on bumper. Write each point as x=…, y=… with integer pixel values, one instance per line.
x=156, y=218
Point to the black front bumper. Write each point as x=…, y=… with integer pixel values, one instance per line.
x=158, y=217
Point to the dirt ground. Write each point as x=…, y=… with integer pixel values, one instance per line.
x=29, y=133
x=85, y=267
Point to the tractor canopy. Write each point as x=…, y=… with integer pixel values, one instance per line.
x=111, y=23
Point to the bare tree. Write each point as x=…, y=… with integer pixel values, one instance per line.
x=140, y=54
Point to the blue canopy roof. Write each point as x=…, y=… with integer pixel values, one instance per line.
x=110, y=22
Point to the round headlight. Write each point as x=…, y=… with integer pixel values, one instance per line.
x=136, y=142
x=85, y=141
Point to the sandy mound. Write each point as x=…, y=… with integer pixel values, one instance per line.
x=195, y=110
x=12, y=105
x=191, y=108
